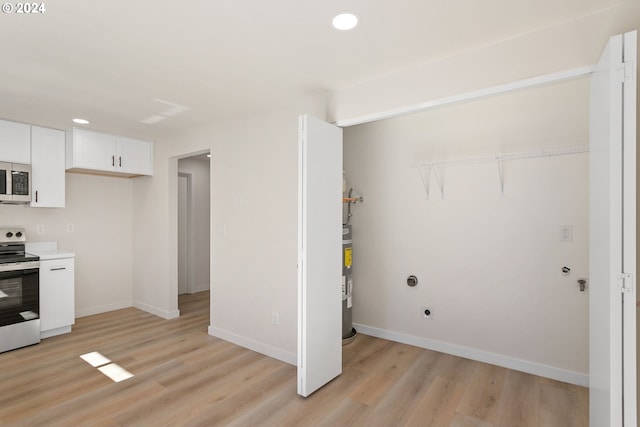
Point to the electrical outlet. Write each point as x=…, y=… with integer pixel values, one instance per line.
x=70, y=228
x=566, y=233
x=426, y=312
x=39, y=229
x=275, y=318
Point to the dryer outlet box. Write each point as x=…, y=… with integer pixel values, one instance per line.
x=426, y=312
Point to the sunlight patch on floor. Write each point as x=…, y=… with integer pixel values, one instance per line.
x=104, y=365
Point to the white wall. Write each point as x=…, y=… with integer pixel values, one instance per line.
x=200, y=187
x=253, y=178
x=567, y=45
x=253, y=226
x=100, y=209
x=489, y=265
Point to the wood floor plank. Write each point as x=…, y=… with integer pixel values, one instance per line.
x=520, y=401
x=346, y=413
x=184, y=377
x=462, y=420
x=271, y=409
x=299, y=411
x=178, y=405
x=438, y=405
x=240, y=398
x=383, y=375
x=399, y=401
x=118, y=397
x=560, y=404
x=484, y=388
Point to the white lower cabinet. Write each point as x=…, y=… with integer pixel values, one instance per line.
x=57, y=300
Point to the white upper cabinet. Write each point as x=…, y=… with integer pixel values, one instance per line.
x=47, y=167
x=106, y=153
x=15, y=142
x=91, y=150
x=135, y=156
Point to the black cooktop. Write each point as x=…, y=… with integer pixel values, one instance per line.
x=12, y=246
x=23, y=257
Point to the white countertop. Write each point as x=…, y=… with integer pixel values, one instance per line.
x=47, y=250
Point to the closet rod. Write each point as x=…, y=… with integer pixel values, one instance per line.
x=469, y=96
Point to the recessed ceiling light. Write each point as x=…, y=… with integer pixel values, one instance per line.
x=345, y=21
x=81, y=121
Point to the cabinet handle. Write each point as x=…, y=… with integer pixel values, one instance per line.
x=120, y=161
x=113, y=161
x=36, y=196
x=57, y=268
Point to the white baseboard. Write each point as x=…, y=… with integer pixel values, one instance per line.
x=53, y=332
x=200, y=288
x=83, y=312
x=479, y=355
x=126, y=304
x=165, y=314
x=259, y=347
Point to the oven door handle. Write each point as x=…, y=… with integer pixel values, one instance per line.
x=17, y=266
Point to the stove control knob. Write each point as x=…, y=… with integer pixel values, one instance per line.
x=19, y=234
x=9, y=235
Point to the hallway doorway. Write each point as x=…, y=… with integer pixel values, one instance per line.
x=194, y=224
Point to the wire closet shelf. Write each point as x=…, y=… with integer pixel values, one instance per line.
x=427, y=168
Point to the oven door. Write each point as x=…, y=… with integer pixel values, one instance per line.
x=19, y=293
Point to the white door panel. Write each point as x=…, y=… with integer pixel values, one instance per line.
x=629, y=229
x=319, y=254
x=612, y=238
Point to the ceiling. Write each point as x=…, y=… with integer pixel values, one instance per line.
x=120, y=62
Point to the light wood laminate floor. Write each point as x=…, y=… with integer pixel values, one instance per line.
x=184, y=377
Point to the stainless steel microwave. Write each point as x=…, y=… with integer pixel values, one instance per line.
x=15, y=183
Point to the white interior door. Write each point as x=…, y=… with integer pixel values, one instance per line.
x=183, y=234
x=612, y=379
x=629, y=246
x=319, y=254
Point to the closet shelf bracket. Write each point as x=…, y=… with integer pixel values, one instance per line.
x=500, y=175
x=425, y=174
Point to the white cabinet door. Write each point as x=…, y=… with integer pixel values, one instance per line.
x=91, y=150
x=57, y=304
x=319, y=254
x=15, y=142
x=134, y=156
x=612, y=236
x=47, y=167
x=111, y=154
